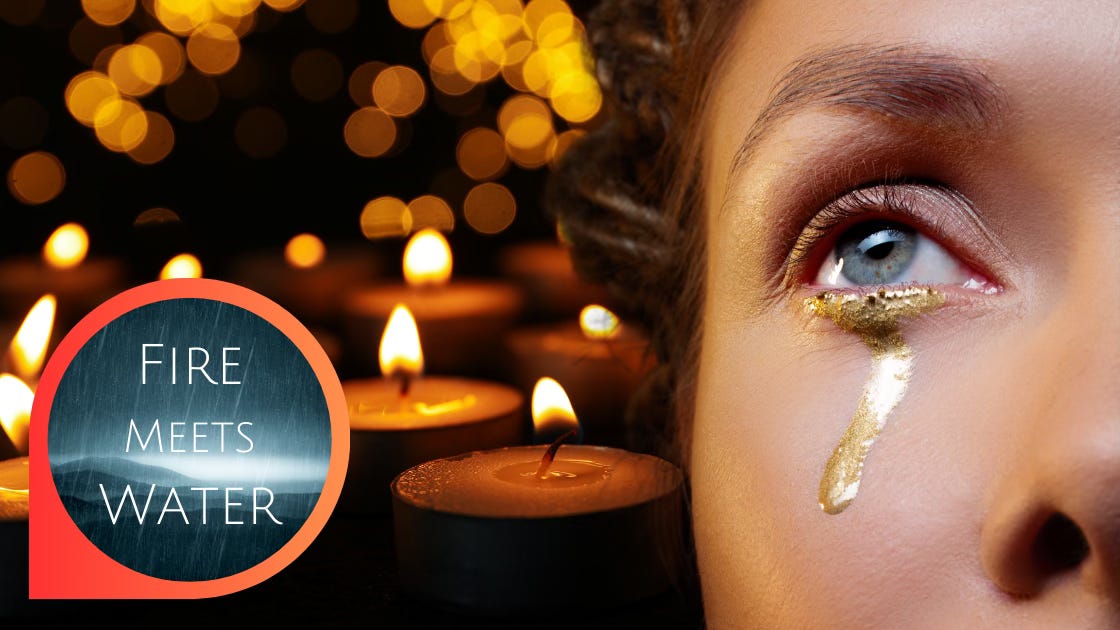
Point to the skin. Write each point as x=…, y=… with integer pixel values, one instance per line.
x=1013, y=411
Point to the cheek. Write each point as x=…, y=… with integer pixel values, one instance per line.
x=773, y=400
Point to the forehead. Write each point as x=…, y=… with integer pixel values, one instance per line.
x=1056, y=60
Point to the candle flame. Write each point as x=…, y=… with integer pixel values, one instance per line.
x=552, y=411
x=66, y=247
x=15, y=410
x=400, y=353
x=597, y=322
x=29, y=347
x=181, y=266
x=305, y=251
x=427, y=259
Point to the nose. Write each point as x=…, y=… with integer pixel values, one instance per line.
x=1055, y=515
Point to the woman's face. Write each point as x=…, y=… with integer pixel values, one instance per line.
x=968, y=147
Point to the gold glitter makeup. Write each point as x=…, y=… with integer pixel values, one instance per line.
x=875, y=318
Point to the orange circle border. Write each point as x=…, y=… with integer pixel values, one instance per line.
x=64, y=564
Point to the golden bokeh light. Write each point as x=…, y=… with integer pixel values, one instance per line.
x=126, y=130
x=284, y=6
x=598, y=322
x=412, y=13
x=305, y=251
x=370, y=132
x=555, y=29
x=513, y=65
x=331, y=16
x=182, y=17
x=427, y=259
x=181, y=266
x=28, y=349
x=317, y=74
x=172, y=57
x=236, y=8
x=213, y=48
x=519, y=106
x=108, y=12
x=90, y=95
x=489, y=208
x=88, y=38
x=193, y=97
x=360, y=84
x=399, y=353
x=576, y=96
x=260, y=132
x=537, y=12
x=241, y=25
x=449, y=82
x=434, y=40
x=399, y=91
x=66, y=247
x=385, y=217
x=158, y=141
x=101, y=61
x=561, y=143
x=481, y=154
x=135, y=69
x=156, y=216
x=449, y=9
x=36, y=178
x=430, y=211
x=478, y=55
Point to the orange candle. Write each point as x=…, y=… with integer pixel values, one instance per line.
x=461, y=322
x=63, y=269
x=406, y=418
x=600, y=360
x=538, y=528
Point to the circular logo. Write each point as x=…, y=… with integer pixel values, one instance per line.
x=189, y=439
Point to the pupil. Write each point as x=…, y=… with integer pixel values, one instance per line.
x=880, y=251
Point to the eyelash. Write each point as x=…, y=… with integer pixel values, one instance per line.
x=885, y=199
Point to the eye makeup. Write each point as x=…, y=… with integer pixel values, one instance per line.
x=875, y=318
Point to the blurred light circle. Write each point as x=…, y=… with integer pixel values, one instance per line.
x=90, y=93
x=481, y=154
x=385, y=217
x=172, y=57
x=157, y=142
x=126, y=130
x=429, y=211
x=370, y=132
x=213, y=48
x=360, y=84
x=108, y=12
x=88, y=38
x=489, y=208
x=399, y=91
x=135, y=69
x=36, y=178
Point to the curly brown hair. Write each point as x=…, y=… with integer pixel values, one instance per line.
x=626, y=197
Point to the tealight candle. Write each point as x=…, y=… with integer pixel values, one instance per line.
x=405, y=419
x=309, y=279
x=461, y=322
x=552, y=288
x=79, y=283
x=538, y=528
x=600, y=361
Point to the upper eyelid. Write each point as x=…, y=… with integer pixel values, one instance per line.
x=944, y=213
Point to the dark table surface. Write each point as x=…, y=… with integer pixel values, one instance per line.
x=347, y=577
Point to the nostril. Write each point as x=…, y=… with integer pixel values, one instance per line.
x=1060, y=545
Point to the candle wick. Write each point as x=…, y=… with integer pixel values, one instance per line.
x=550, y=454
x=406, y=383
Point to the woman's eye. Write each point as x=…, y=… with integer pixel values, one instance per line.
x=881, y=252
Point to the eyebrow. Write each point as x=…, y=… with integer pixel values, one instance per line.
x=906, y=84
